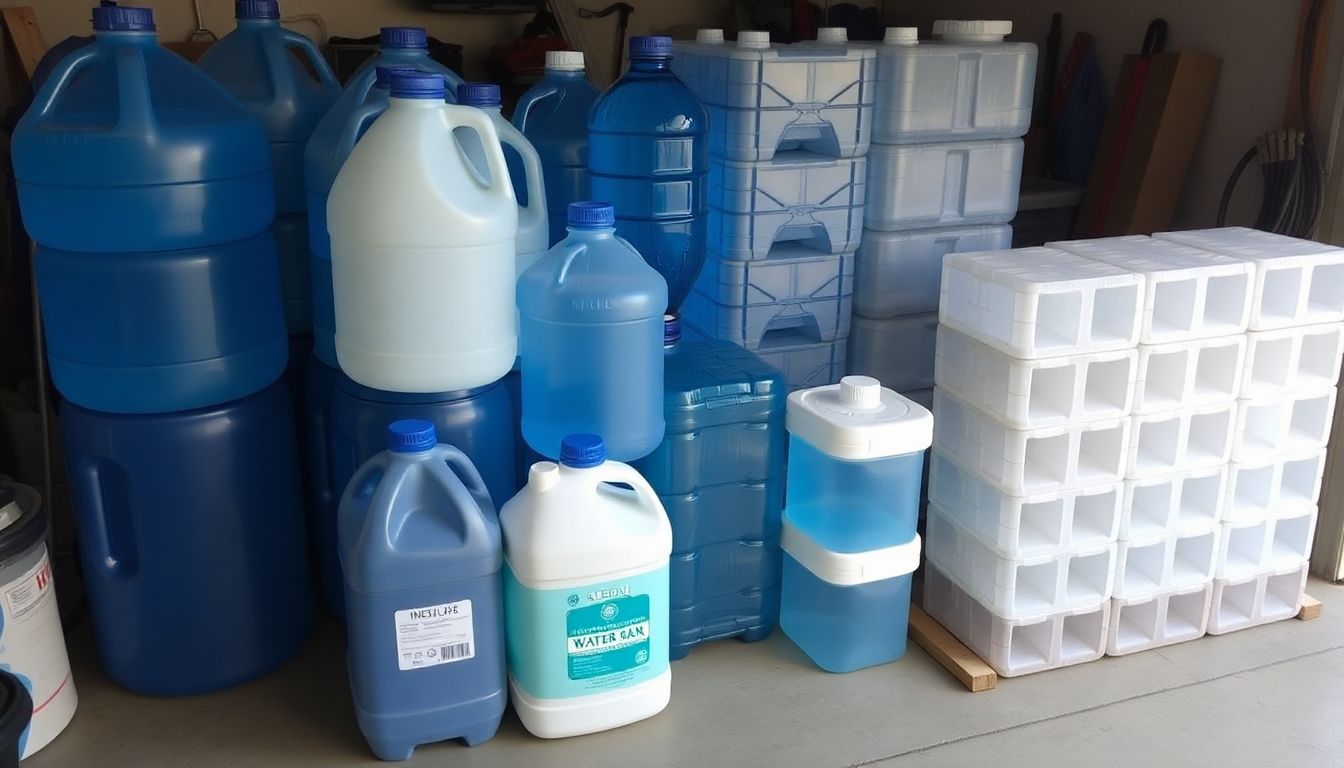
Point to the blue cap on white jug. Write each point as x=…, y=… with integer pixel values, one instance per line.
x=650, y=47
x=256, y=9
x=110, y=18
x=591, y=214
x=383, y=74
x=418, y=85
x=582, y=451
x=478, y=95
x=403, y=37
x=411, y=436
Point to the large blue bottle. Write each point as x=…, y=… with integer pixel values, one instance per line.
x=257, y=64
x=404, y=47
x=192, y=541
x=648, y=153
x=591, y=341
x=421, y=549
x=720, y=475
x=149, y=191
x=553, y=115
x=478, y=422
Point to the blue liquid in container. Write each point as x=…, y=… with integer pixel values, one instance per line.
x=553, y=115
x=192, y=541
x=649, y=155
x=404, y=47
x=591, y=341
x=421, y=548
x=478, y=422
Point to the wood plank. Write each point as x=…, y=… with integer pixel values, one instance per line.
x=1311, y=609
x=25, y=35
x=1292, y=113
x=947, y=650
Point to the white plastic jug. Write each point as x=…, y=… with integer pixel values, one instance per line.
x=586, y=595
x=422, y=249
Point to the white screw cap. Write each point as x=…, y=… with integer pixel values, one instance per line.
x=709, y=35
x=862, y=393
x=832, y=35
x=753, y=38
x=901, y=36
x=564, y=61
x=972, y=31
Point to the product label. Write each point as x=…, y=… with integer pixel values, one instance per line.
x=434, y=635
x=611, y=636
x=33, y=648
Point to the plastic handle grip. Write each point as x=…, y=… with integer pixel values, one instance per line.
x=309, y=49
x=467, y=474
x=616, y=472
x=136, y=107
x=359, y=122
x=45, y=100
x=571, y=251
x=475, y=119
x=88, y=490
x=525, y=105
x=536, y=186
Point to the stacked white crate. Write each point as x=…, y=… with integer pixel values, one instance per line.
x=1036, y=365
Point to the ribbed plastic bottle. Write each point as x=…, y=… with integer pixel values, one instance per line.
x=525, y=172
x=331, y=143
x=404, y=47
x=149, y=192
x=422, y=249
x=256, y=63
x=553, y=115
x=586, y=595
x=420, y=544
x=591, y=330
x=649, y=155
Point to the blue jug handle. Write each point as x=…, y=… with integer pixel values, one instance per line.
x=315, y=59
x=467, y=474
x=358, y=124
x=62, y=76
x=571, y=251
x=526, y=103
x=87, y=486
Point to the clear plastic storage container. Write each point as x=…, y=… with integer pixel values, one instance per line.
x=919, y=186
x=900, y=273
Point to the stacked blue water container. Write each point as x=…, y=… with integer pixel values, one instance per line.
x=151, y=195
x=943, y=176
x=788, y=185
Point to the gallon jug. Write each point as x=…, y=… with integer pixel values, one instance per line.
x=585, y=570
x=553, y=115
x=648, y=136
x=420, y=545
x=856, y=456
x=478, y=422
x=422, y=249
x=331, y=143
x=524, y=171
x=720, y=475
x=192, y=541
x=592, y=340
x=404, y=47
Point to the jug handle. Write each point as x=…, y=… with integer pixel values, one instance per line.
x=309, y=49
x=477, y=120
x=136, y=108
x=571, y=251
x=359, y=122
x=525, y=106
x=536, y=185
x=617, y=472
x=467, y=474
x=88, y=489
x=57, y=82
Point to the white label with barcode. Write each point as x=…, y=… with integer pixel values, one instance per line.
x=434, y=635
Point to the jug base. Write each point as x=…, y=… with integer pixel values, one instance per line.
x=394, y=737
x=562, y=718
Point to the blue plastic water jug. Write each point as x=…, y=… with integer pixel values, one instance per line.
x=192, y=541
x=363, y=100
x=478, y=422
x=404, y=47
x=649, y=155
x=320, y=384
x=421, y=548
x=591, y=339
x=553, y=115
x=720, y=475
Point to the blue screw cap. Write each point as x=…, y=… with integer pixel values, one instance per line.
x=256, y=9
x=671, y=329
x=591, y=214
x=478, y=95
x=582, y=451
x=403, y=37
x=111, y=18
x=418, y=85
x=651, y=47
x=411, y=436
x=384, y=73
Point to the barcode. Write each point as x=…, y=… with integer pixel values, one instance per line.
x=455, y=651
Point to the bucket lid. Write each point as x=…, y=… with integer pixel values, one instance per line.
x=418, y=85
x=859, y=419
x=411, y=436
x=256, y=9
x=847, y=569
x=591, y=214
x=403, y=37
x=650, y=47
x=582, y=451
x=16, y=708
x=19, y=532
x=972, y=30
x=478, y=95
x=564, y=61
x=111, y=18
x=384, y=73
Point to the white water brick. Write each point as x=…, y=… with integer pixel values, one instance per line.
x=1286, y=423
x=1179, y=441
x=1153, y=622
x=1189, y=373
x=1254, y=600
x=1281, y=486
x=1187, y=502
x=1302, y=359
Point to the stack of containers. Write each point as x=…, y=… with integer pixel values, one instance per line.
x=1286, y=402
x=786, y=195
x=1035, y=374
x=943, y=177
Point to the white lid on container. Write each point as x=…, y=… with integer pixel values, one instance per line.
x=972, y=31
x=848, y=569
x=901, y=36
x=859, y=419
x=753, y=38
x=565, y=61
x=832, y=35
x=709, y=35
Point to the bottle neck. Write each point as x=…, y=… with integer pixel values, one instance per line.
x=256, y=24
x=414, y=456
x=121, y=37
x=407, y=104
x=403, y=54
x=592, y=233
x=662, y=64
x=565, y=74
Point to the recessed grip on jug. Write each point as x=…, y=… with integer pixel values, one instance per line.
x=57, y=82
x=309, y=49
x=477, y=120
x=90, y=489
x=616, y=472
x=524, y=106
x=359, y=122
x=468, y=475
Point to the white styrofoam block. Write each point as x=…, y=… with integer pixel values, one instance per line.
x=1189, y=373
x=1282, y=486
x=1026, y=462
x=1041, y=302
x=1016, y=647
x=1275, y=543
x=1302, y=359
x=1285, y=423
x=1187, y=502
x=1190, y=294
x=899, y=352
x=1177, y=441
x=1016, y=527
x=1153, y=622
x=1019, y=588
x=899, y=273
x=1147, y=567
x=1250, y=601
x=1026, y=394
x=942, y=184
x=1297, y=282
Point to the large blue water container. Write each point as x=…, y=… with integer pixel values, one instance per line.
x=478, y=422
x=720, y=475
x=421, y=548
x=192, y=541
x=404, y=47
x=553, y=115
x=591, y=341
x=649, y=155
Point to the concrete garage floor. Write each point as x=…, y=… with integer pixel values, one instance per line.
x=1273, y=695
